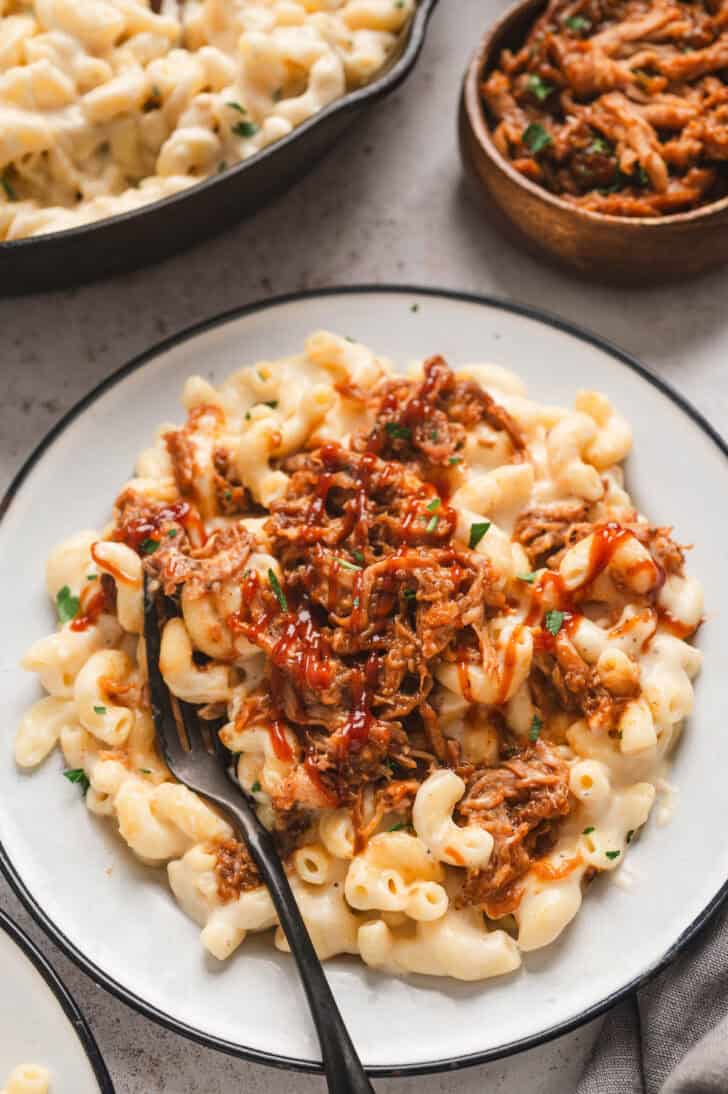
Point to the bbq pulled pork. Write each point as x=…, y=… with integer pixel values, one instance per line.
x=371, y=588
x=430, y=421
x=520, y=803
x=235, y=870
x=619, y=106
x=545, y=530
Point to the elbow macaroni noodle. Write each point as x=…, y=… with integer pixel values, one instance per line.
x=106, y=105
x=28, y=1079
x=395, y=898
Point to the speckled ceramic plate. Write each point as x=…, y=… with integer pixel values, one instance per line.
x=40, y=1023
x=117, y=919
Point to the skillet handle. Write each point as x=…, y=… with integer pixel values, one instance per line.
x=343, y=1068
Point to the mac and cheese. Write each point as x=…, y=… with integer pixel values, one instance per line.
x=448, y=655
x=106, y=105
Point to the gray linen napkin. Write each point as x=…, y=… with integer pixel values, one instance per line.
x=672, y=1037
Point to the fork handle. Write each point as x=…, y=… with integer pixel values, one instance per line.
x=342, y=1066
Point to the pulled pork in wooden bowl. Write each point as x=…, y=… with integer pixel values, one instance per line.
x=598, y=131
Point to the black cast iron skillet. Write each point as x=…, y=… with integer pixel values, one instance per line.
x=124, y=242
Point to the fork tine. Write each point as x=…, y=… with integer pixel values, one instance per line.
x=165, y=723
x=193, y=726
x=223, y=753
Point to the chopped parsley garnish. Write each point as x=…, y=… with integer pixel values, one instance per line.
x=348, y=338
x=643, y=179
x=588, y=831
x=272, y=403
x=434, y=436
x=619, y=183
x=245, y=129
x=78, y=775
x=67, y=605
x=346, y=565
x=432, y=523
x=397, y=431
x=612, y=854
x=8, y=188
x=358, y=556
x=91, y=577
x=236, y=106
x=355, y=602
x=536, y=137
x=100, y=710
x=409, y=594
x=455, y=459
x=278, y=591
x=538, y=87
x=577, y=23
x=148, y=546
x=640, y=178
x=398, y=827
x=414, y=307
x=145, y=771
x=477, y=531
x=228, y=495
x=630, y=835
x=433, y=505
x=528, y=578
x=536, y=727
x=173, y=531
x=255, y=788
x=553, y=621
x=222, y=166
x=600, y=146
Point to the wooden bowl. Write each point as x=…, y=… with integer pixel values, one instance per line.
x=623, y=250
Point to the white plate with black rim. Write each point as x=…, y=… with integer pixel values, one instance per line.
x=40, y=1023
x=127, y=931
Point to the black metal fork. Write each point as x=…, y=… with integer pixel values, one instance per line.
x=201, y=763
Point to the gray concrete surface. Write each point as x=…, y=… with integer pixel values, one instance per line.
x=388, y=205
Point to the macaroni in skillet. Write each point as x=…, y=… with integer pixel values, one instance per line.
x=447, y=653
x=106, y=105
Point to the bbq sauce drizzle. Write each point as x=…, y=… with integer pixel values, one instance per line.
x=551, y=588
x=607, y=538
x=302, y=650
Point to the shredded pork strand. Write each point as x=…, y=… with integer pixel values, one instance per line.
x=547, y=531
x=235, y=870
x=619, y=106
x=520, y=803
